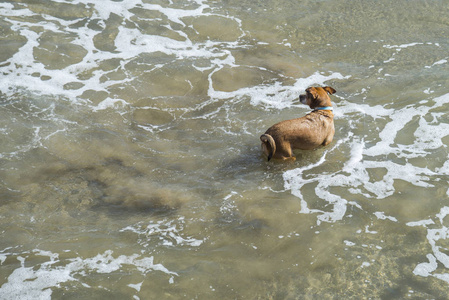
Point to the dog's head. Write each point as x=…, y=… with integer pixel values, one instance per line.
x=317, y=97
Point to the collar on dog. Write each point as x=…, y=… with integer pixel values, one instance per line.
x=324, y=108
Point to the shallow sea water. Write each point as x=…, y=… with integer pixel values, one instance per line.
x=130, y=161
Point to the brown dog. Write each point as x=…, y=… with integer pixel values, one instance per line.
x=306, y=133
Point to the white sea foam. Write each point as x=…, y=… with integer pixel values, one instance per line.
x=175, y=15
x=423, y=223
x=108, y=103
x=438, y=256
x=403, y=46
x=349, y=243
x=35, y=282
x=165, y=233
x=440, y=62
x=294, y=181
x=388, y=135
x=276, y=95
x=136, y=286
x=228, y=207
x=356, y=157
x=129, y=42
x=426, y=269
x=381, y=215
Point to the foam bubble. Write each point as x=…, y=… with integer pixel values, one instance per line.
x=137, y=286
x=349, y=243
x=108, y=103
x=381, y=216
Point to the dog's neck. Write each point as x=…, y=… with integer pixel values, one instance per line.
x=326, y=111
x=324, y=108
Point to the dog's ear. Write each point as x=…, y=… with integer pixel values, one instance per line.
x=330, y=90
x=313, y=92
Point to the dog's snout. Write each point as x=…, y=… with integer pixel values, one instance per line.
x=303, y=99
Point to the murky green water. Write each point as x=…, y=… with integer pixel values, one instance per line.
x=130, y=161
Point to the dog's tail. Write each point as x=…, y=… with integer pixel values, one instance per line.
x=268, y=144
